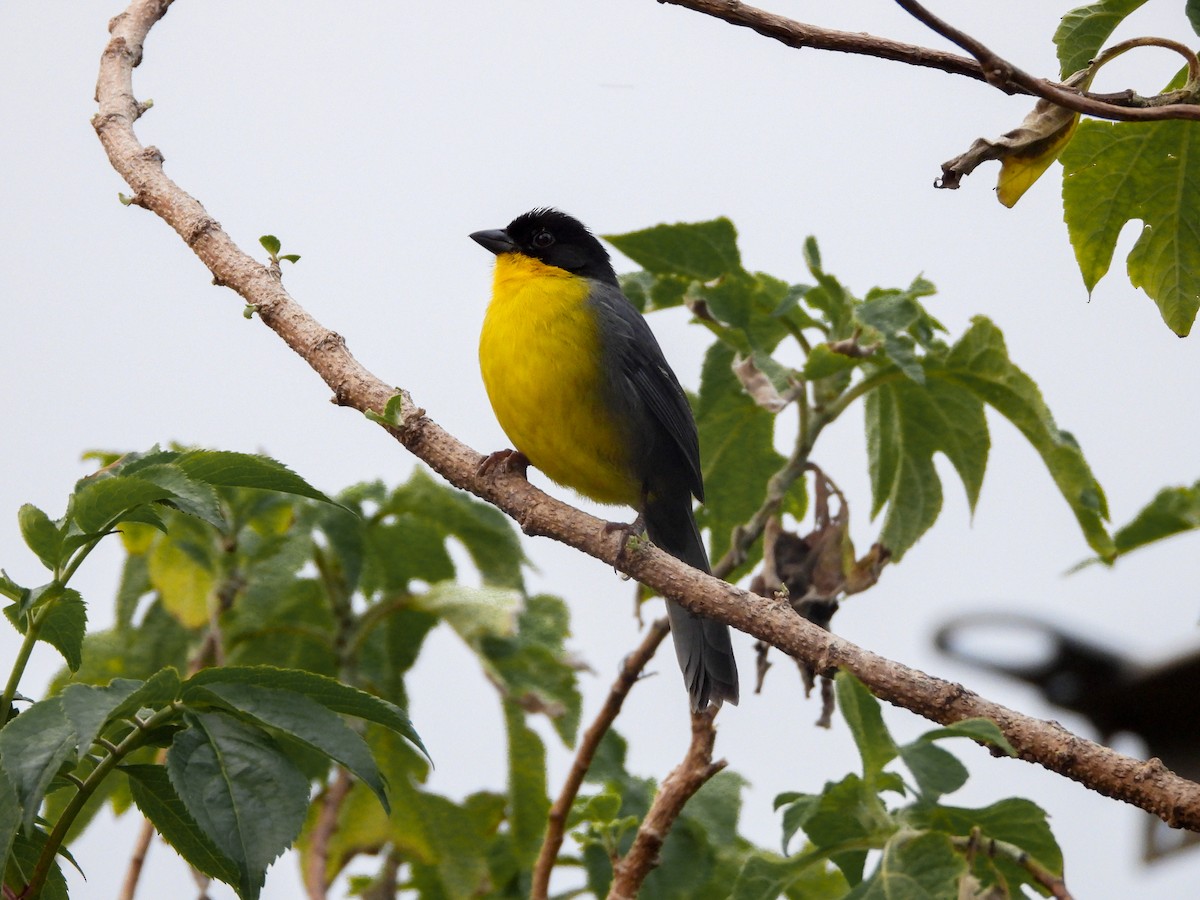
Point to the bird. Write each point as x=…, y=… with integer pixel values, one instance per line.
x=583, y=391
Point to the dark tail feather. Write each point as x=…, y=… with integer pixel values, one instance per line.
x=702, y=645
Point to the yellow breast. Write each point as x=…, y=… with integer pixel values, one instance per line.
x=540, y=356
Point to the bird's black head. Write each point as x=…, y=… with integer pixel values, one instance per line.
x=554, y=238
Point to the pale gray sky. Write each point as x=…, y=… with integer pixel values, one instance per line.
x=372, y=138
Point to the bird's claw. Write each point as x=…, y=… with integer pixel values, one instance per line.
x=503, y=462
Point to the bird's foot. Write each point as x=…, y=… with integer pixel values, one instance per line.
x=504, y=462
x=630, y=532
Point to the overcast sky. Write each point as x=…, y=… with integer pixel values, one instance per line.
x=372, y=138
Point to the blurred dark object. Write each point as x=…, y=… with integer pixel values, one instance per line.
x=1158, y=703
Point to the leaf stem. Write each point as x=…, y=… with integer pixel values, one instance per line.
x=132, y=741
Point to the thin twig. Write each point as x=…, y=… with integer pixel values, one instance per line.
x=1000, y=73
x=677, y=789
x=316, y=868
x=1148, y=785
x=631, y=671
x=990, y=68
x=137, y=860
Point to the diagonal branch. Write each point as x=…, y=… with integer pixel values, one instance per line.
x=1148, y=785
x=677, y=789
x=986, y=66
x=631, y=671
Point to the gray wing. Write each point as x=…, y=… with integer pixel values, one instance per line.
x=635, y=356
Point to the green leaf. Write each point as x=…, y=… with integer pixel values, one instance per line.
x=845, y=811
x=41, y=535
x=700, y=251
x=915, y=868
x=937, y=771
x=907, y=423
x=528, y=803
x=1014, y=820
x=32, y=748
x=822, y=362
x=474, y=613
x=291, y=257
x=861, y=711
x=765, y=876
x=1083, y=31
x=156, y=798
x=10, y=818
x=88, y=707
x=979, y=362
x=242, y=791
x=270, y=243
x=1149, y=171
x=63, y=624
x=486, y=533
x=225, y=468
x=185, y=580
x=23, y=858
x=1172, y=511
x=737, y=452
x=307, y=721
x=891, y=315
x=161, y=688
x=602, y=807
x=100, y=502
x=829, y=298
x=329, y=693
x=1192, y=8
x=985, y=731
x=187, y=494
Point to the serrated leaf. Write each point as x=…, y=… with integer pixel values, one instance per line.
x=979, y=361
x=304, y=719
x=187, y=494
x=41, y=535
x=701, y=251
x=1083, y=31
x=242, y=791
x=907, y=424
x=101, y=502
x=329, y=693
x=88, y=707
x=156, y=798
x=1150, y=171
x=916, y=868
x=847, y=810
x=23, y=858
x=159, y=689
x=861, y=711
x=32, y=747
x=225, y=468
x=62, y=623
x=891, y=315
x=1015, y=821
x=737, y=452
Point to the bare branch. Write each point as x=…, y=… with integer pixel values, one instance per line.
x=677, y=789
x=316, y=867
x=631, y=670
x=1148, y=785
x=986, y=66
x=1000, y=73
x=137, y=860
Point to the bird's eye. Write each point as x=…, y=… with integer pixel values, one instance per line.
x=543, y=239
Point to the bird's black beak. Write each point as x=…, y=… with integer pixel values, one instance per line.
x=496, y=240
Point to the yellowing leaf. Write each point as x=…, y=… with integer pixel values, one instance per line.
x=1020, y=169
x=184, y=583
x=137, y=537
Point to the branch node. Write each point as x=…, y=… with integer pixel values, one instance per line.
x=153, y=154
x=201, y=228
